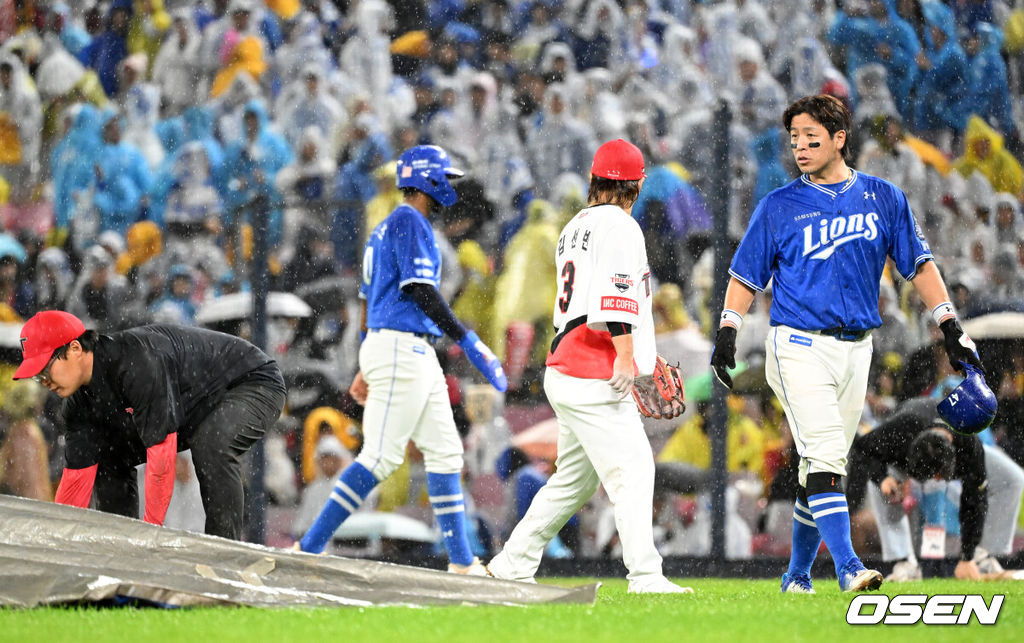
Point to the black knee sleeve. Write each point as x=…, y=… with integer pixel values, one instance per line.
x=824, y=482
x=801, y=495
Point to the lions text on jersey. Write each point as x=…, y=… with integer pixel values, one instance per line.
x=603, y=277
x=825, y=247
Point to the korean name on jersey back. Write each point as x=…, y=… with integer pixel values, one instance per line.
x=603, y=277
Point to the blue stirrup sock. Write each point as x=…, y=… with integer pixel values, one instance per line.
x=354, y=484
x=806, y=538
x=827, y=502
x=449, y=506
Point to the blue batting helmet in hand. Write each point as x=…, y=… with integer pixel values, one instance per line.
x=427, y=169
x=970, y=407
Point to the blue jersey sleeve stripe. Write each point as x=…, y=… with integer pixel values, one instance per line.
x=746, y=282
x=917, y=262
x=415, y=280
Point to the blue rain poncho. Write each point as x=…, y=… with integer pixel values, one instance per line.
x=265, y=154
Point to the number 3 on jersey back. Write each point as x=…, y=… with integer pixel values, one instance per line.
x=568, y=277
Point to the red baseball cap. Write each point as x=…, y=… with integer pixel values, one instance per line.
x=619, y=160
x=44, y=333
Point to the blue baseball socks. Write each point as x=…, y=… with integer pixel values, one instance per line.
x=354, y=484
x=827, y=502
x=449, y=506
x=806, y=538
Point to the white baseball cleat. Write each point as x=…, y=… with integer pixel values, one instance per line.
x=858, y=579
x=656, y=585
x=475, y=568
x=904, y=571
x=495, y=569
x=796, y=584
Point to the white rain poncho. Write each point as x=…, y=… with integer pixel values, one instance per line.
x=761, y=98
x=177, y=67
x=679, y=74
x=560, y=143
x=140, y=105
x=601, y=107
x=873, y=96
x=305, y=103
x=366, y=57
x=21, y=118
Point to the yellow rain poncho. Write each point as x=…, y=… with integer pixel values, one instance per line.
x=342, y=426
x=150, y=21
x=143, y=241
x=690, y=444
x=285, y=9
x=984, y=151
x=415, y=44
x=929, y=154
x=475, y=304
x=525, y=290
x=669, y=309
x=247, y=57
x=388, y=197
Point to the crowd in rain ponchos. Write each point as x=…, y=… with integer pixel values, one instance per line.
x=179, y=132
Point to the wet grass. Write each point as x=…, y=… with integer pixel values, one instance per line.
x=738, y=611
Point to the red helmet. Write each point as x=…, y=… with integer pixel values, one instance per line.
x=619, y=160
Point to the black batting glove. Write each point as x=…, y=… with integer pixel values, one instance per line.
x=723, y=356
x=959, y=347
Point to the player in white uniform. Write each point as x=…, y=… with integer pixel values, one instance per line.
x=400, y=381
x=605, y=339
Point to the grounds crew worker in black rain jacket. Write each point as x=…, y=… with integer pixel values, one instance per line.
x=141, y=395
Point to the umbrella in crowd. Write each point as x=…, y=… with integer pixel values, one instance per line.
x=9, y=247
x=1002, y=325
x=239, y=306
x=378, y=525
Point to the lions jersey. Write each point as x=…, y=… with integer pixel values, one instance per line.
x=824, y=247
x=401, y=250
x=603, y=277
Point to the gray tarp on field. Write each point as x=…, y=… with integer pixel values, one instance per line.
x=52, y=554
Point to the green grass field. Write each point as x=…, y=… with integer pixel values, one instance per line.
x=738, y=611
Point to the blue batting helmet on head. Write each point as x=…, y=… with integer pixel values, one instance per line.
x=971, y=406
x=427, y=169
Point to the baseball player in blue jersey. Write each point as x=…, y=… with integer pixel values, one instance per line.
x=400, y=381
x=823, y=241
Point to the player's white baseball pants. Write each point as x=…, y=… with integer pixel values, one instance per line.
x=600, y=440
x=408, y=399
x=821, y=383
x=1005, y=485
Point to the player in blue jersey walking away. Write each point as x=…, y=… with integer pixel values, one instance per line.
x=400, y=381
x=823, y=240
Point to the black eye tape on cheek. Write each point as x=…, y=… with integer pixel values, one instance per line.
x=814, y=144
x=793, y=145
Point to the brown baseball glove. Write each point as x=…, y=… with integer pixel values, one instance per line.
x=660, y=394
